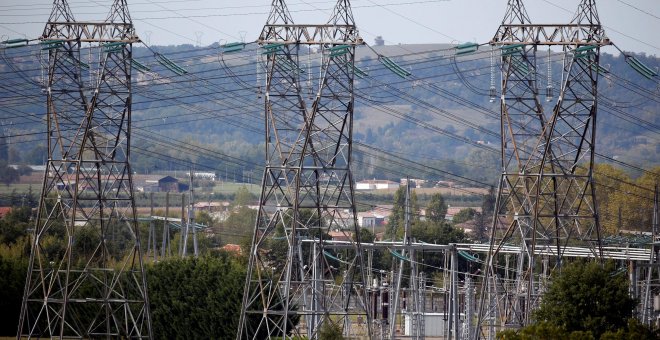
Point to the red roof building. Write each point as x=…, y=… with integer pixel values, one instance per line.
x=232, y=248
x=4, y=211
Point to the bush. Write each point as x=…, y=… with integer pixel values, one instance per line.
x=587, y=297
x=13, y=270
x=586, y=301
x=196, y=298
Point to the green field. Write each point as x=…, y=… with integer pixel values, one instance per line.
x=19, y=188
x=229, y=188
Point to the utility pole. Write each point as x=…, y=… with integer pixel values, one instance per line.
x=454, y=315
x=545, y=202
x=307, y=186
x=183, y=234
x=399, y=262
x=189, y=226
x=415, y=309
x=165, y=249
x=87, y=190
x=152, y=249
x=649, y=309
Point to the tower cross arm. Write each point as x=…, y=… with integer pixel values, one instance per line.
x=550, y=34
x=310, y=34
x=101, y=32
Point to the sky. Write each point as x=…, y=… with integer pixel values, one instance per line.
x=633, y=25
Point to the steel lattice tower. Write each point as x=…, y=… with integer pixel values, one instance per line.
x=94, y=285
x=307, y=186
x=545, y=201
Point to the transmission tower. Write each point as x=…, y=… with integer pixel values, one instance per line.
x=86, y=277
x=545, y=202
x=307, y=186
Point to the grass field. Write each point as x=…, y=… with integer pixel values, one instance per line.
x=229, y=188
x=431, y=191
x=226, y=190
x=19, y=188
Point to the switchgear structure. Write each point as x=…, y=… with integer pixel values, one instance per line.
x=294, y=289
x=86, y=277
x=545, y=202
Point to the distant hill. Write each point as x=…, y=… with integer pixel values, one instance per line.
x=440, y=116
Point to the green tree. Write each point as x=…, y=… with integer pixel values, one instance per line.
x=366, y=236
x=8, y=175
x=437, y=232
x=12, y=281
x=484, y=219
x=239, y=226
x=464, y=215
x=437, y=208
x=330, y=331
x=14, y=226
x=611, y=195
x=243, y=197
x=488, y=202
x=637, y=206
x=14, y=253
x=635, y=330
x=203, y=217
x=196, y=298
x=397, y=218
x=538, y=331
x=545, y=330
x=587, y=297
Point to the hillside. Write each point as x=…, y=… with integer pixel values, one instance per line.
x=440, y=116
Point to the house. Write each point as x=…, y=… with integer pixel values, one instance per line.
x=205, y=175
x=367, y=219
x=445, y=184
x=415, y=182
x=146, y=183
x=212, y=206
x=232, y=248
x=338, y=235
x=34, y=168
x=171, y=184
x=370, y=219
x=377, y=216
x=4, y=211
x=376, y=184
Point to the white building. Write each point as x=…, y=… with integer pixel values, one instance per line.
x=204, y=175
x=414, y=182
x=376, y=184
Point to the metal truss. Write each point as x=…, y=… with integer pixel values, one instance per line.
x=307, y=188
x=86, y=277
x=546, y=192
x=460, y=320
x=614, y=253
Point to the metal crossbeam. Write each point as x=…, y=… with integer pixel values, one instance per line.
x=550, y=35
x=100, y=32
x=310, y=34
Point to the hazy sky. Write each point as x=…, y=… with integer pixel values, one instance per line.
x=633, y=25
